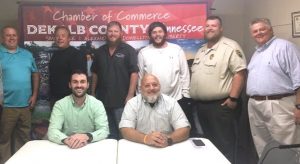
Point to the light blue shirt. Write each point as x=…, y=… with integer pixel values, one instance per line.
x=274, y=68
x=17, y=69
x=1, y=85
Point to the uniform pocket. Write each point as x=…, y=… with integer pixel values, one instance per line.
x=209, y=66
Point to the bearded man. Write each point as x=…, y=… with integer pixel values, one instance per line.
x=153, y=118
x=114, y=75
x=79, y=118
x=218, y=77
x=167, y=61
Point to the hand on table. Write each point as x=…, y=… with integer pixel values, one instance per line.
x=76, y=141
x=157, y=139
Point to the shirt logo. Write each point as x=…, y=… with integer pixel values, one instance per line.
x=119, y=55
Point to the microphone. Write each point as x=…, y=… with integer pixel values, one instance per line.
x=289, y=146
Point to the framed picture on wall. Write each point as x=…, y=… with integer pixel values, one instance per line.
x=296, y=24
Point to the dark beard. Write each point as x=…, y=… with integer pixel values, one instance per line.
x=114, y=44
x=158, y=44
x=78, y=96
x=214, y=39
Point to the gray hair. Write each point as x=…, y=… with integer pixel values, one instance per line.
x=265, y=21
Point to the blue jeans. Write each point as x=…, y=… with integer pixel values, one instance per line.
x=114, y=117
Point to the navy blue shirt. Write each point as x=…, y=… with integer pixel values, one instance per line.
x=114, y=73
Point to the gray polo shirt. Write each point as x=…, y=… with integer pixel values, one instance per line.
x=165, y=116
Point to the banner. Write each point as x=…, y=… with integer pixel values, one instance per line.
x=87, y=22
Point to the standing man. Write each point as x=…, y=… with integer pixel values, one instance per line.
x=273, y=86
x=20, y=83
x=1, y=91
x=218, y=77
x=79, y=118
x=114, y=75
x=168, y=63
x=63, y=62
x=153, y=118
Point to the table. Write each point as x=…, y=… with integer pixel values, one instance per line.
x=180, y=153
x=46, y=152
x=111, y=151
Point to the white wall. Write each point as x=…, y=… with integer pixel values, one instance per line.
x=232, y=13
x=278, y=11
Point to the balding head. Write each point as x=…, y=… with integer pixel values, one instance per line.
x=150, y=88
x=9, y=36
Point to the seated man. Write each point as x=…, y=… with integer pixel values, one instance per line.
x=153, y=118
x=79, y=118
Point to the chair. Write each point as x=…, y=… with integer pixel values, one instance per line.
x=272, y=154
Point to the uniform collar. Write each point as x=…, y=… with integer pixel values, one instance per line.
x=214, y=47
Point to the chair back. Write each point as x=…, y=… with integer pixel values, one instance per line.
x=273, y=155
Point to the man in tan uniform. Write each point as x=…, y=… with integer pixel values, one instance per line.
x=218, y=76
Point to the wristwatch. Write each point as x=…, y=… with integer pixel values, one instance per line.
x=297, y=106
x=90, y=137
x=170, y=141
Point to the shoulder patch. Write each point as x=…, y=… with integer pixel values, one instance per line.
x=239, y=53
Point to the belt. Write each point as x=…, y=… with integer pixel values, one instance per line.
x=271, y=97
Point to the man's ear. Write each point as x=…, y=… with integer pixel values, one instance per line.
x=88, y=84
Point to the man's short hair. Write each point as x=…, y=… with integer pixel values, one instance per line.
x=265, y=21
x=153, y=25
x=214, y=17
x=114, y=23
x=78, y=71
x=62, y=28
x=5, y=27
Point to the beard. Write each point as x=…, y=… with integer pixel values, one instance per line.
x=214, y=38
x=160, y=44
x=114, y=43
x=79, y=95
x=151, y=98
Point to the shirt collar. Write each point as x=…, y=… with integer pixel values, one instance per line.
x=4, y=49
x=119, y=46
x=266, y=45
x=214, y=47
x=73, y=101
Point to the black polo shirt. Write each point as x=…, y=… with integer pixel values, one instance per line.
x=113, y=73
x=61, y=65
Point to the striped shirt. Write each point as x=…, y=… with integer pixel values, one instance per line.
x=274, y=68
